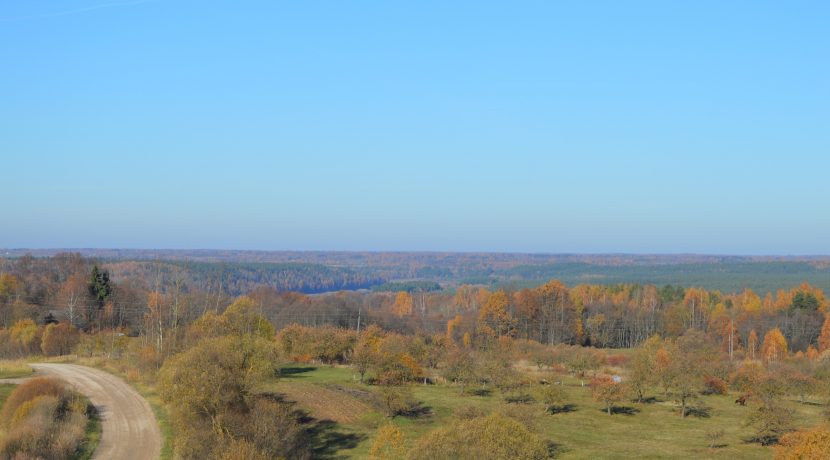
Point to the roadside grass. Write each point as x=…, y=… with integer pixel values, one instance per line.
x=584, y=431
x=15, y=369
x=92, y=436
x=5, y=391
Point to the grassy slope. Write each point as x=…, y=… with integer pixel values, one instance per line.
x=655, y=431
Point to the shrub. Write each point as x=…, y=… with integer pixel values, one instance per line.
x=714, y=386
x=44, y=420
x=493, y=437
x=617, y=360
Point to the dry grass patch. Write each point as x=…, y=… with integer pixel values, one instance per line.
x=324, y=403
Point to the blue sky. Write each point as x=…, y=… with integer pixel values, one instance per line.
x=657, y=127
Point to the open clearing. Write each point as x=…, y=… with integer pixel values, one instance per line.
x=652, y=430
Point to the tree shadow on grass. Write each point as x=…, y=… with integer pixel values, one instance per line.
x=623, y=410
x=564, y=409
x=417, y=410
x=521, y=398
x=295, y=371
x=555, y=450
x=325, y=439
x=480, y=392
x=699, y=412
x=651, y=400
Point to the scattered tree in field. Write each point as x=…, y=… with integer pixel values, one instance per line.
x=396, y=400
x=388, y=443
x=775, y=345
x=460, y=368
x=607, y=391
x=642, y=368
x=551, y=396
x=770, y=419
x=714, y=436
x=690, y=360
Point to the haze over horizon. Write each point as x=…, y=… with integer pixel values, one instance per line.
x=587, y=128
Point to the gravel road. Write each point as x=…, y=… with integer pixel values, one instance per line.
x=129, y=428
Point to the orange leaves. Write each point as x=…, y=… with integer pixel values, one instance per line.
x=824, y=336
x=805, y=445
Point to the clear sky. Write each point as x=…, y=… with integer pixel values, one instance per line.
x=550, y=126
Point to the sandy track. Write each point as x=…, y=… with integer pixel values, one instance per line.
x=129, y=428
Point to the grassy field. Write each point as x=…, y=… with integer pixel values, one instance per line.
x=652, y=430
x=14, y=369
x=5, y=390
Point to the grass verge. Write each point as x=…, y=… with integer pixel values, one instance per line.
x=15, y=369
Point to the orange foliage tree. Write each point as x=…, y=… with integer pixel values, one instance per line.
x=824, y=337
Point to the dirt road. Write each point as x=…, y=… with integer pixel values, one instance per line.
x=129, y=428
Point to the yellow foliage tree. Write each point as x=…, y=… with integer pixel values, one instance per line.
x=403, y=304
x=388, y=443
x=775, y=345
x=752, y=344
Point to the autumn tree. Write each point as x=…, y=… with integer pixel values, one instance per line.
x=642, y=368
x=388, y=443
x=752, y=344
x=775, y=345
x=459, y=368
x=690, y=360
x=59, y=339
x=551, y=396
x=770, y=418
x=494, y=317
x=25, y=335
x=73, y=296
x=211, y=392
x=824, y=336
x=812, y=444
x=606, y=390
x=403, y=304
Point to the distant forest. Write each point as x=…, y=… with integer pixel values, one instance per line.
x=237, y=272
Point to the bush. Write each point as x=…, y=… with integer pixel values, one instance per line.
x=493, y=437
x=44, y=420
x=714, y=386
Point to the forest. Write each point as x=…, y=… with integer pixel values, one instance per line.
x=411, y=371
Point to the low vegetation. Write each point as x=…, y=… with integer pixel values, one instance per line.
x=43, y=418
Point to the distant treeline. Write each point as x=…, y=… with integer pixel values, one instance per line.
x=238, y=278
x=408, y=286
x=237, y=272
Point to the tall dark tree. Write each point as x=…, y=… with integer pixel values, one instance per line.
x=99, y=286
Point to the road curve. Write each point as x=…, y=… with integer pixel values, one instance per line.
x=129, y=428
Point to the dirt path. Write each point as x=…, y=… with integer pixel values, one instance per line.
x=129, y=428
